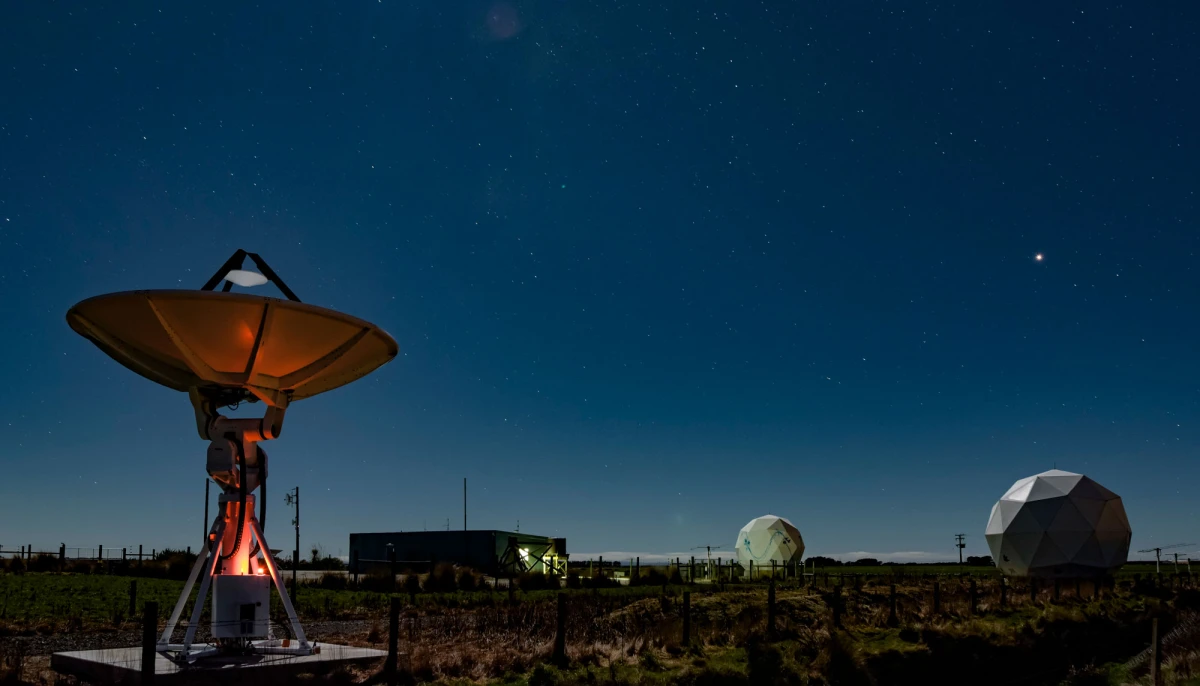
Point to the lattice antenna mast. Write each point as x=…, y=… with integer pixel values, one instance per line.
x=708, y=551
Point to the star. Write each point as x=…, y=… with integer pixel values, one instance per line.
x=1039, y=257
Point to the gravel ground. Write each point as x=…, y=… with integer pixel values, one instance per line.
x=339, y=631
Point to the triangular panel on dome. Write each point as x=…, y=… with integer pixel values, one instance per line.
x=1062, y=482
x=1090, y=554
x=1069, y=518
x=1048, y=554
x=1116, y=552
x=1044, y=511
x=1069, y=541
x=1003, y=514
x=1086, y=488
x=1044, y=488
x=1112, y=518
x=994, y=541
x=1023, y=522
x=1024, y=546
x=1089, y=508
x=1012, y=557
x=1019, y=490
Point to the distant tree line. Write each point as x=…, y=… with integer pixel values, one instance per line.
x=820, y=561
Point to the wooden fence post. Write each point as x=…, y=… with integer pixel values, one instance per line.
x=149, y=641
x=837, y=607
x=892, y=620
x=560, y=632
x=1155, y=653
x=133, y=599
x=687, y=618
x=771, y=608
x=393, y=654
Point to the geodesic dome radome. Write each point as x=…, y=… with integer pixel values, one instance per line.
x=768, y=538
x=1058, y=524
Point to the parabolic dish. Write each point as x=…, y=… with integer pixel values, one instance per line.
x=272, y=349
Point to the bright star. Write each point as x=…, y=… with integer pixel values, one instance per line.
x=1039, y=257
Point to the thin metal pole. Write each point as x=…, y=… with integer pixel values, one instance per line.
x=464, y=503
x=206, y=523
x=296, y=555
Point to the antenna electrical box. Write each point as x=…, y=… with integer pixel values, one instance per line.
x=242, y=603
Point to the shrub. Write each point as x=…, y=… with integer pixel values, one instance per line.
x=768, y=665
x=545, y=675
x=178, y=563
x=43, y=563
x=441, y=579
x=536, y=581
x=650, y=577
x=600, y=582
x=412, y=583
x=469, y=580
x=16, y=566
x=332, y=581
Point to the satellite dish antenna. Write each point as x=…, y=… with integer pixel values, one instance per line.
x=223, y=348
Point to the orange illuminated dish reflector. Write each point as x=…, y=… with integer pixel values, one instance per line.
x=264, y=346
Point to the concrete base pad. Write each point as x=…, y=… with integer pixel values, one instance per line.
x=124, y=665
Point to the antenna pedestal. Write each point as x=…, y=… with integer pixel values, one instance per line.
x=235, y=561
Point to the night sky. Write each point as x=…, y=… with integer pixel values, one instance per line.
x=655, y=268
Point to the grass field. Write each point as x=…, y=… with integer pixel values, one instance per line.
x=634, y=635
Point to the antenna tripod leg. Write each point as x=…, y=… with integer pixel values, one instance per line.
x=205, y=550
x=273, y=568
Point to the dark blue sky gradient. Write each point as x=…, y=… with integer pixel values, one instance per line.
x=654, y=268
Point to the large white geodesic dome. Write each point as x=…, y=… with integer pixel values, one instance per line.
x=768, y=538
x=1058, y=524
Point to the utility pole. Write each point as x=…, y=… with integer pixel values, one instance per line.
x=293, y=499
x=464, y=503
x=960, y=545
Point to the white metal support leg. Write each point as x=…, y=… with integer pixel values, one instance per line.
x=194, y=622
x=283, y=594
x=218, y=525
